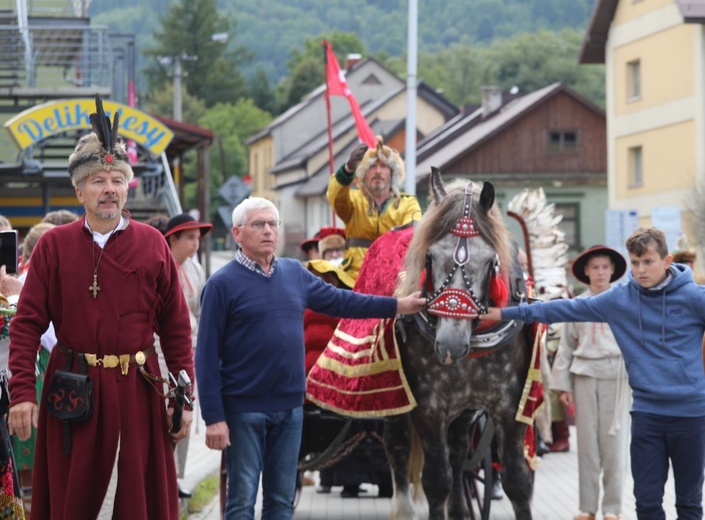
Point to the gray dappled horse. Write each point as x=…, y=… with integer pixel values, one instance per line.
x=460, y=243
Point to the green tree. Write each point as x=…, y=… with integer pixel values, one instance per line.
x=161, y=102
x=531, y=61
x=210, y=71
x=261, y=91
x=232, y=124
x=306, y=66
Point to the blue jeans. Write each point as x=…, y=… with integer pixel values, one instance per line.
x=266, y=443
x=655, y=440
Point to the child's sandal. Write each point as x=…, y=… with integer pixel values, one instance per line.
x=584, y=516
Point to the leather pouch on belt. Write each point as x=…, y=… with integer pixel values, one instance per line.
x=70, y=396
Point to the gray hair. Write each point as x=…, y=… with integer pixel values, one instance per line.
x=250, y=204
x=4, y=223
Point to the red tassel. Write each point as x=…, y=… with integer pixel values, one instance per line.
x=499, y=293
x=422, y=279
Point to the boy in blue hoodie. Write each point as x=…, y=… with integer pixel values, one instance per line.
x=658, y=319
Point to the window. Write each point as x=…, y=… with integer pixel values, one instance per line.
x=634, y=80
x=570, y=223
x=562, y=141
x=636, y=167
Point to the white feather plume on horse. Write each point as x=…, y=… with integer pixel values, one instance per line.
x=546, y=240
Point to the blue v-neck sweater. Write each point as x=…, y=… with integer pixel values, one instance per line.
x=660, y=334
x=250, y=347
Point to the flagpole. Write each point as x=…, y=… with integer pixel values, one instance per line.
x=330, y=125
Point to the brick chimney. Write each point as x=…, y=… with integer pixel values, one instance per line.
x=352, y=59
x=491, y=99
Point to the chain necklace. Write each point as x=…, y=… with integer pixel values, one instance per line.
x=95, y=288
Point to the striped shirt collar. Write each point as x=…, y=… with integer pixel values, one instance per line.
x=254, y=266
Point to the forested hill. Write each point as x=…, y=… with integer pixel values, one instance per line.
x=272, y=28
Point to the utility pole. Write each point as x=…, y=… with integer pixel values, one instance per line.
x=178, y=74
x=410, y=149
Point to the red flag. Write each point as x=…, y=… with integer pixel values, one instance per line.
x=337, y=86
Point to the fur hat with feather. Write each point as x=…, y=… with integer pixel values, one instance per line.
x=389, y=157
x=99, y=150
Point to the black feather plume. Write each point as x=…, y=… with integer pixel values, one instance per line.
x=101, y=126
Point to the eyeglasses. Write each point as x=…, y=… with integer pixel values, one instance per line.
x=258, y=225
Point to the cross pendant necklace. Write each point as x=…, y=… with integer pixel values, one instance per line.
x=95, y=288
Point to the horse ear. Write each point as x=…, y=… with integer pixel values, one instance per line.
x=487, y=196
x=439, y=191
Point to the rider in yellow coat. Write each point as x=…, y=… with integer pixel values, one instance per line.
x=376, y=206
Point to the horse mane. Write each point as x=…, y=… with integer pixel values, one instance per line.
x=437, y=222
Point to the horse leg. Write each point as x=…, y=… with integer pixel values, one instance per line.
x=397, y=445
x=459, y=442
x=437, y=477
x=517, y=476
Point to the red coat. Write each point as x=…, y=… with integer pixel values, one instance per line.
x=318, y=329
x=140, y=290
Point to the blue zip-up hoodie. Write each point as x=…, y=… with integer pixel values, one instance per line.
x=660, y=333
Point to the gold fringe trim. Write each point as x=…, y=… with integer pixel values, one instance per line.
x=533, y=375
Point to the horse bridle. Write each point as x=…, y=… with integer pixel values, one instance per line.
x=455, y=303
x=449, y=302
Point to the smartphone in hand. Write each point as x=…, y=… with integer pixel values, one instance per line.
x=8, y=250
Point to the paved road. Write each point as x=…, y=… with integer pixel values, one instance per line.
x=555, y=490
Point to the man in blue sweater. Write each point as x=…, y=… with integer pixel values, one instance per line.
x=658, y=319
x=250, y=359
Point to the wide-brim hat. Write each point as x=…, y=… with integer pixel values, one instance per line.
x=311, y=242
x=324, y=266
x=578, y=267
x=183, y=222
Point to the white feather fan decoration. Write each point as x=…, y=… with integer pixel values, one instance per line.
x=546, y=240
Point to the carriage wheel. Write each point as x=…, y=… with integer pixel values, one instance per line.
x=477, y=475
x=477, y=484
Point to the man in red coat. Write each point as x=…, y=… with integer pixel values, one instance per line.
x=107, y=283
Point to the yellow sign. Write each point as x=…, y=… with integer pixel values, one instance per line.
x=37, y=123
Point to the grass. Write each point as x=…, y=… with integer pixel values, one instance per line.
x=202, y=495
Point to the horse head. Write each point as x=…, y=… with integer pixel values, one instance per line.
x=459, y=250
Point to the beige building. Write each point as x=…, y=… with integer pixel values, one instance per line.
x=654, y=56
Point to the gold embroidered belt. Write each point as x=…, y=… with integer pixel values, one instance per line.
x=112, y=361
